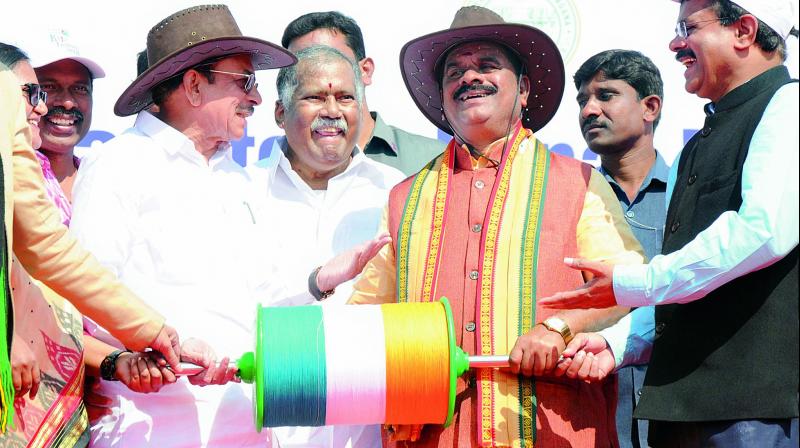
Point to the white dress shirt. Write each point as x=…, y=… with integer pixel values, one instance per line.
x=176, y=229
x=310, y=227
x=763, y=230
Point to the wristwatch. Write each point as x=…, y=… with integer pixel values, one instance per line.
x=108, y=368
x=559, y=326
x=313, y=288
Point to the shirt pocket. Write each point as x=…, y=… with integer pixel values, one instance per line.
x=651, y=237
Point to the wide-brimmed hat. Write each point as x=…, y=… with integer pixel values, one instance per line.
x=189, y=37
x=538, y=54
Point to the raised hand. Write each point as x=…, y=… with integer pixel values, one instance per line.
x=596, y=293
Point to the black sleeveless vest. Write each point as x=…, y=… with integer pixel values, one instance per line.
x=732, y=355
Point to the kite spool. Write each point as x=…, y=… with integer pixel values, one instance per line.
x=368, y=364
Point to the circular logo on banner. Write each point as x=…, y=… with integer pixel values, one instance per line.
x=557, y=18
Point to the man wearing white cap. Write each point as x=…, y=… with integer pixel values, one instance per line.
x=724, y=336
x=67, y=78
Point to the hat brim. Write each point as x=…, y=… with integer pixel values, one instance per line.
x=94, y=68
x=265, y=56
x=538, y=53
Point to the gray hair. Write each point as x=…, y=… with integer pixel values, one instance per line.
x=316, y=55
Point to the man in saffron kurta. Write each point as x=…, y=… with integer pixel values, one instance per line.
x=488, y=224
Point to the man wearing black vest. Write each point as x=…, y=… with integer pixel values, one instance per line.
x=724, y=334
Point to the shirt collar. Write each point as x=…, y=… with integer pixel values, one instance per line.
x=659, y=172
x=175, y=142
x=282, y=145
x=383, y=132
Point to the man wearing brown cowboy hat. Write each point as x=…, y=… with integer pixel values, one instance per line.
x=487, y=225
x=167, y=208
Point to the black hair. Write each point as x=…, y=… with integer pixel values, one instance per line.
x=141, y=62
x=766, y=38
x=636, y=69
x=10, y=55
x=332, y=20
x=161, y=91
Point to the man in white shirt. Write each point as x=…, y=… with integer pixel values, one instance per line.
x=726, y=287
x=168, y=210
x=324, y=195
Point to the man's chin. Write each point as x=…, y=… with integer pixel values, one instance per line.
x=59, y=145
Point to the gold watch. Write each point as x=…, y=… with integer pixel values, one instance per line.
x=559, y=326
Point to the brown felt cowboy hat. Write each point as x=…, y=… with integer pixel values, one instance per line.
x=189, y=37
x=420, y=58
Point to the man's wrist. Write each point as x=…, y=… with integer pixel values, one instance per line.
x=314, y=289
x=558, y=325
x=108, y=367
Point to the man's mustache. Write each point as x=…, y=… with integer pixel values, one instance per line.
x=335, y=123
x=684, y=52
x=249, y=109
x=592, y=122
x=60, y=110
x=490, y=89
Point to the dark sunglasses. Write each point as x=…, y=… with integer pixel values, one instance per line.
x=249, y=84
x=35, y=93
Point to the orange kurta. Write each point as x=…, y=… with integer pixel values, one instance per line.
x=581, y=217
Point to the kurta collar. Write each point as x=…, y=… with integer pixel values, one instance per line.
x=749, y=90
x=465, y=161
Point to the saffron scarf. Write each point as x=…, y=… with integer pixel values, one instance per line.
x=507, y=283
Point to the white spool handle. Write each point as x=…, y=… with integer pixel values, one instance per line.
x=189, y=369
x=475, y=362
x=488, y=362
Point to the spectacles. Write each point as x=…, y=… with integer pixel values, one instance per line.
x=683, y=30
x=249, y=84
x=35, y=93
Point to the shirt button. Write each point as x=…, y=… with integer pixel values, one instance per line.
x=639, y=392
x=660, y=327
x=692, y=179
x=470, y=326
x=473, y=275
x=705, y=132
x=630, y=214
x=479, y=184
x=476, y=228
x=675, y=226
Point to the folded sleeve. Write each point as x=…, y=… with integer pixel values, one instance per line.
x=377, y=283
x=50, y=254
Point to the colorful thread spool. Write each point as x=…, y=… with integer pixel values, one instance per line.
x=366, y=364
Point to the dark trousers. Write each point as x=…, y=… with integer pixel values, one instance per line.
x=632, y=432
x=773, y=433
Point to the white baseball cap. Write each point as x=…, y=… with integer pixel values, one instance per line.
x=56, y=45
x=780, y=15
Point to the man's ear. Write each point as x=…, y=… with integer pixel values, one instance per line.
x=280, y=113
x=191, y=87
x=367, y=66
x=524, y=90
x=652, y=108
x=746, y=29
